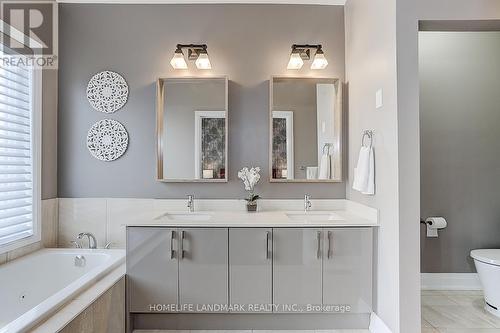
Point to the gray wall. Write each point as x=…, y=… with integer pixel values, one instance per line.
x=249, y=43
x=459, y=145
x=409, y=12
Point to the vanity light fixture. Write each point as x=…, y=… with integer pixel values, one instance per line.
x=319, y=61
x=196, y=52
x=203, y=62
x=178, y=61
x=301, y=52
x=295, y=61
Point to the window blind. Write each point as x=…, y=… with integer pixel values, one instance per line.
x=16, y=172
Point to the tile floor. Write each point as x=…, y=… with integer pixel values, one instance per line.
x=456, y=312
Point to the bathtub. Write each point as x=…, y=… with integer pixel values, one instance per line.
x=35, y=286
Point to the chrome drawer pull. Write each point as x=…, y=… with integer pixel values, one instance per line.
x=172, y=251
x=319, y=245
x=182, y=244
x=267, y=245
x=330, y=250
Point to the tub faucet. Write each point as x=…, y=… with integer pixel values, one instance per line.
x=307, y=203
x=190, y=203
x=92, y=240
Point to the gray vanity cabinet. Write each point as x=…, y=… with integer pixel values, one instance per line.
x=176, y=266
x=288, y=267
x=203, y=266
x=250, y=266
x=347, y=268
x=152, y=268
x=297, y=261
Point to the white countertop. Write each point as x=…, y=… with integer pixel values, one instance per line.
x=337, y=218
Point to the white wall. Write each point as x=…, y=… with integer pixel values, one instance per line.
x=371, y=65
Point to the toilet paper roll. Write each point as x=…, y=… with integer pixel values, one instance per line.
x=433, y=224
x=436, y=222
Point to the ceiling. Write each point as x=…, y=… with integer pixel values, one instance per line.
x=301, y=2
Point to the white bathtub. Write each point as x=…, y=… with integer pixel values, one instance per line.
x=35, y=286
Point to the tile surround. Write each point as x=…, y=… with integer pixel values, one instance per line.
x=50, y=216
x=123, y=211
x=106, y=217
x=82, y=215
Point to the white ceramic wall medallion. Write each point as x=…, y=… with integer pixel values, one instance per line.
x=107, y=140
x=107, y=91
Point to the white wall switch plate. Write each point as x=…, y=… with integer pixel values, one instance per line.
x=378, y=99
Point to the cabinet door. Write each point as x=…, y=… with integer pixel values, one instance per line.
x=297, y=265
x=152, y=267
x=203, y=267
x=250, y=266
x=347, y=268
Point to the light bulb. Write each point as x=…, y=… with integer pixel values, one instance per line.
x=178, y=61
x=320, y=61
x=296, y=61
x=203, y=62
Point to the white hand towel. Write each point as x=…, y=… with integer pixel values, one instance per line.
x=312, y=172
x=324, y=167
x=362, y=170
x=370, y=184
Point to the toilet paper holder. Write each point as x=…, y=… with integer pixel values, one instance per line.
x=434, y=223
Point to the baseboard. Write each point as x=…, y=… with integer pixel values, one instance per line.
x=377, y=325
x=450, y=281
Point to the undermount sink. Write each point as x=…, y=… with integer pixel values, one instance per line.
x=313, y=216
x=189, y=216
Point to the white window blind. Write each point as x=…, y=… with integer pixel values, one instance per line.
x=16, y=171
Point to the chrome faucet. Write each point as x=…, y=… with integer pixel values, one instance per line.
x=92, y=240
x=190, y=203
x=307, y=202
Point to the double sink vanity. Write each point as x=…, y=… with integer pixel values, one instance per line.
x=283, y=267
x=218, y=269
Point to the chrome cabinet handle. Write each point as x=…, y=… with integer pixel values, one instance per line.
x=330, y=250
x=318, y=254
x=182, y=244
x=172, y=251
x=267, y=245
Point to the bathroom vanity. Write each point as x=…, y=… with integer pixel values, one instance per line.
x=280, y=268
x=219, y=269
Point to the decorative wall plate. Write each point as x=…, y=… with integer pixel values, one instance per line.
x=107, y=140
x=107, y=91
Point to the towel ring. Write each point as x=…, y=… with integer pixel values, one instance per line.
x=327, y=145
x=367, y=134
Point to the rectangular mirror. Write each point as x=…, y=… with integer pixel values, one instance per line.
x=305, y=130
x=192, y=129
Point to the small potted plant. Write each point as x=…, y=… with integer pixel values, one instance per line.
x=250, y=178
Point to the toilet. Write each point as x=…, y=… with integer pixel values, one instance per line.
x=487, y=263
